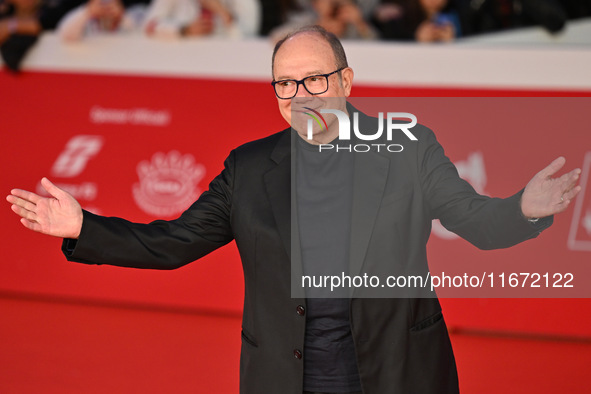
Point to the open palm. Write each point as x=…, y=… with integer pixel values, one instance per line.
x=59, y=215
x=544, y=196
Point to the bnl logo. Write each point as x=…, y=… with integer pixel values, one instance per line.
x=392, y=123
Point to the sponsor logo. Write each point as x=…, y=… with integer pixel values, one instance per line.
x=472, y=170
x=72, y=162
x=579, y=237
x=168, y=184
x=78, y=151
x=133, y=116
x=81, y=191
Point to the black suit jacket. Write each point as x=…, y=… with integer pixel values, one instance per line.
x=401, y=344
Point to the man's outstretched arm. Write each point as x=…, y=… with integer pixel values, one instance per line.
x=59, y=215
x=492, y=223
x=162, y=244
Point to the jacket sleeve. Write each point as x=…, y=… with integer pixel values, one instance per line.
x=487, y=223
x=202, y=228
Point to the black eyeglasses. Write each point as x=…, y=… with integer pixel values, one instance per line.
x=314, y=84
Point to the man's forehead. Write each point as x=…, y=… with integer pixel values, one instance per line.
x=304, y=40
x=307, y=53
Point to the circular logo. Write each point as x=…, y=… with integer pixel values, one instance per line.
x=168, y=184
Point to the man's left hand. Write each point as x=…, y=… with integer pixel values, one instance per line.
x=544, y=196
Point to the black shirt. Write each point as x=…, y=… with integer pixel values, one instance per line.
x=324, y=185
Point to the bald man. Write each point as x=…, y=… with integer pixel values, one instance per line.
x=315, y=344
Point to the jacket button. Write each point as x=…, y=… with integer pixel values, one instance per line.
x=300, y=310
x=297, y=354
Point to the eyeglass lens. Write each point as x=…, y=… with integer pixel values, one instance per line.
x=315, y=84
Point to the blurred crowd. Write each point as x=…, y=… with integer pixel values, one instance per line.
x=21, y=21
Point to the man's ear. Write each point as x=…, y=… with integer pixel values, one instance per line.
x=347, y=78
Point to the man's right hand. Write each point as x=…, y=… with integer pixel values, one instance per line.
x=59, y=215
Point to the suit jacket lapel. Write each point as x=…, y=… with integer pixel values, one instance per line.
x=277, y=185
x=370, y=175
x=279, y=182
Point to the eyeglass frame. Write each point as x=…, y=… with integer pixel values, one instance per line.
x=301, y=82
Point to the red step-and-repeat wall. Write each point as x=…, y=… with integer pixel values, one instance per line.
x=145, y=147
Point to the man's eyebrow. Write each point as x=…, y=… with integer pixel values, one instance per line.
x=309, y=73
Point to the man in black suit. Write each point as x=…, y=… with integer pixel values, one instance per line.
x=296, y=344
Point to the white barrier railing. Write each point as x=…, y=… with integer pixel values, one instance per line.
x=524, y=59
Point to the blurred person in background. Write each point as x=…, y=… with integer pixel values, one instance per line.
x=487, y=16
x=184, y=18
x=343, y=18
x=52, y=11
x=420, y=20
x=19, y=28
x=100, y=16
x=387, y=17
x=576, y=9
x=275, y=13
x=21, y=21
x=438, y=21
